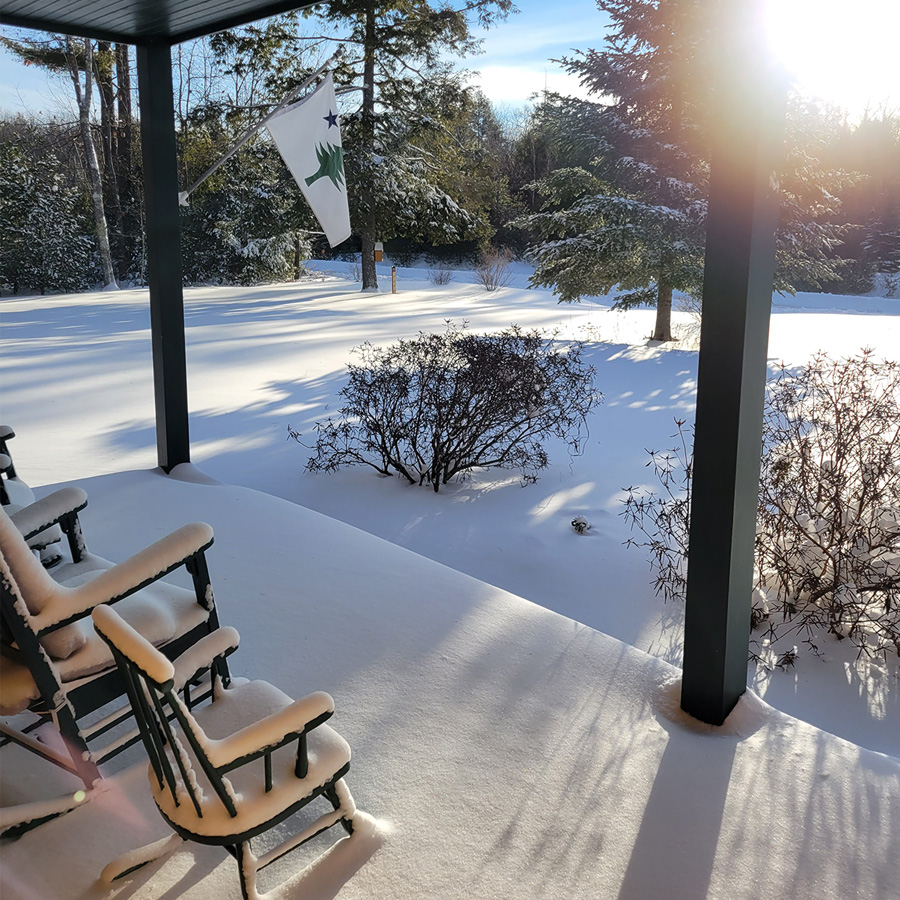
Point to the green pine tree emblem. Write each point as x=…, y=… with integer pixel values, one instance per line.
x=331, y=165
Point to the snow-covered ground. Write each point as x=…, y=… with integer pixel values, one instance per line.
x=504, y=750
x=513, y=752
x=77, y=389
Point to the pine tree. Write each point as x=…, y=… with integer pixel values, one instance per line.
x=872, y=148
x=242, y=223
x=246, y=223
x=406, y=88
x=43, y=240
x=633, y=214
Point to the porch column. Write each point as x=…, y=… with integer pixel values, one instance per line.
x=737, y=292
x=163, y=241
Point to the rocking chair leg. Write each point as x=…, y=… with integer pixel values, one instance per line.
x=246, y=869
x=331, y=795
x=84, y=767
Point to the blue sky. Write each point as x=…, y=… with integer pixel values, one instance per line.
x=514, y=64
x=516, y=58
x=844, y=50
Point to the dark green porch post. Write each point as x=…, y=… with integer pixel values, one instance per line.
x=163, y=238
x=737, y=292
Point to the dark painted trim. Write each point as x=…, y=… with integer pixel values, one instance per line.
x=151, y=36
x=164, y=271
x=56, y=27
x=737, y=299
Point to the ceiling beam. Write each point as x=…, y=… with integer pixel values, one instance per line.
x=141, y=21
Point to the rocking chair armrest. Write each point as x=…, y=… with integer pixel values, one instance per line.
x=221, y=642
x=31, y=520
x=124, y=579
x=271, y=732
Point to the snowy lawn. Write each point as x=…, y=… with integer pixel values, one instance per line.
x=511, y=752
x=77, y=389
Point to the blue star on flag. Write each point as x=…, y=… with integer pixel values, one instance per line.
x=331, y=118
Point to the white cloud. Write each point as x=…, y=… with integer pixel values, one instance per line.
x=515, y=84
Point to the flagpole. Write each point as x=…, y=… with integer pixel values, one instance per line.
x=288, y=98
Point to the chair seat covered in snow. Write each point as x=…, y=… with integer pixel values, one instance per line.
x=238, y=767
x=54, y=669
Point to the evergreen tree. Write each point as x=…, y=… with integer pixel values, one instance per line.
x=246, y=223
x=407, y=89
x=633, y=214
x=43, y=242
x=242, y=224
x=872, y=149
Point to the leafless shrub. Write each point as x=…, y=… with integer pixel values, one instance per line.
x=443, y=274
x=492, y=271
x=664, y=518
x=828, y=521
x=435, y=406
x=828, y=526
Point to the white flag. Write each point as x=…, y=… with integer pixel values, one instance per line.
x=308, y=138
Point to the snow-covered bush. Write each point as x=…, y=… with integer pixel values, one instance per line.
x=437, y=405
x=828, y=522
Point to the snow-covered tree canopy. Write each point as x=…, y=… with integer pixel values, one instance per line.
x=633, y=213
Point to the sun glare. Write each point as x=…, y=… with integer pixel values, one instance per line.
x=842, y=51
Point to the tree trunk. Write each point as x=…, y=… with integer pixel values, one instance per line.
x=83, y=98
x=108, y=133
x=662, y=331
x=123, y=101
x=367, y=148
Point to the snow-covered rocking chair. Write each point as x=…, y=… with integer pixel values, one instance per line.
x=236, y=768
x=55, y=670
x=18, y=501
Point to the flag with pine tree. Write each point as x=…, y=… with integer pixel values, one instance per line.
x=308, y=137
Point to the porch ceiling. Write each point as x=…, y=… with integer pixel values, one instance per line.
x=141, y=22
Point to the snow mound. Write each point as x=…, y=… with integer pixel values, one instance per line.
x=750, y=714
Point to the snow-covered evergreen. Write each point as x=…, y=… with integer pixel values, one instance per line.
x=633, y=215
x=43, y=242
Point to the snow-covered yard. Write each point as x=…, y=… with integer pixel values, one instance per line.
x=506, y=750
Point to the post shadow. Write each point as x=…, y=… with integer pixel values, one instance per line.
x=675, y=849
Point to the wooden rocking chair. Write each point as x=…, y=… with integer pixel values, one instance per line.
x=55, y=669
x=16, y=497
x=236, y=768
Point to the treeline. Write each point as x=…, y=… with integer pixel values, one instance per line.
x=432, y=167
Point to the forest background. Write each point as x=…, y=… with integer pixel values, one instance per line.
x=435, y=170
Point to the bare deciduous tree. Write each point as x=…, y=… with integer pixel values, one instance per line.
x=83, y=96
